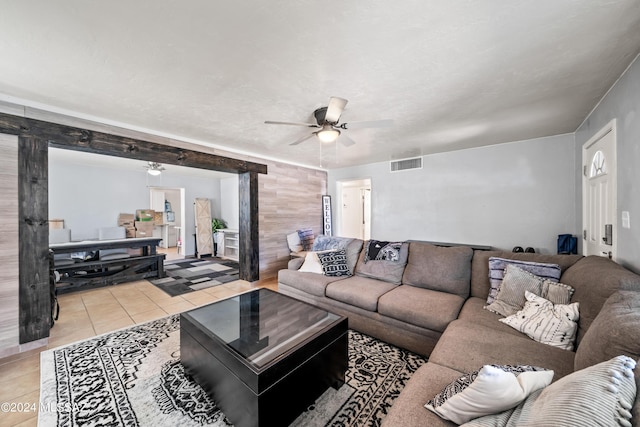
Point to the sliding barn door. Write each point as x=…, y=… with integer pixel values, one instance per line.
x=204, y=235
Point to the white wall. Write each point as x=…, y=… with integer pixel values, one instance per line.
x=89, y=195
x=230, y=207
x=621, y=103
x=520, y=193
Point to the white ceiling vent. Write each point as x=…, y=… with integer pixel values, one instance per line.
x=406, y=164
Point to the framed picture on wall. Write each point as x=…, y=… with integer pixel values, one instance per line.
x=326, y=215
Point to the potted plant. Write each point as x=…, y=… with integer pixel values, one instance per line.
x=216, y=224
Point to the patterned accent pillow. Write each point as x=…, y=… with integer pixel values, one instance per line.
x=306, y=238
x=387, y=271
x=382, y=251
x=489, y=390
x=511, y=296
x=334, y=263
x=498, y=265
x=600, y=395
x=545, y=322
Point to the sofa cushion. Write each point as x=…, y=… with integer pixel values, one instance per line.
x=386, y=270
x=480, y=266
x=473, y=310
x=446, y=269
x=408, y=409
x=359, y=291
x=545, y=322
x=595, y=279
x=422, y=307
x=465, y=345
x=353, y=253
x=488, y=390
x=312, y=283
x=615, y=331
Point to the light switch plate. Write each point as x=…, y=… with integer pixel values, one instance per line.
x=626, y=220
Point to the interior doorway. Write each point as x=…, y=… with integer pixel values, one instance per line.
x=599, y=193
x=171, y=202
x=355, y=208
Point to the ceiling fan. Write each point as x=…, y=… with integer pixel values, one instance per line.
x=328, y=123
x=154, y=168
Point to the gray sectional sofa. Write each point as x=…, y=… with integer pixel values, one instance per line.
x=437, y=309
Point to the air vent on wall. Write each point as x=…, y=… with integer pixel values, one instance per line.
x=406, y=164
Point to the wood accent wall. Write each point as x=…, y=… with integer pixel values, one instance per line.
x=9, y=280
x=290, y=199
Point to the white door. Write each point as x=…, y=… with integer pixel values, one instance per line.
x=366, y=214
x=351, y=213
x=599, y=194
x=355, y=209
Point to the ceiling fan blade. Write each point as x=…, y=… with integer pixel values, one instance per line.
x=304, y=138
x=368, y=124
x=335, y=109
x=345, y=140
x=309, y=125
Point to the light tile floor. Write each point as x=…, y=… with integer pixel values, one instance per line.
x=85, y=314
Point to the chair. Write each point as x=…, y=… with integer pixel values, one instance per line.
x=111, y=233
x=60, y=235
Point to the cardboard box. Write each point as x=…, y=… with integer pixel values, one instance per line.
x=126, y=220
x=145, y=215
x=144, y=234
x=131, y=232
x=145, y=225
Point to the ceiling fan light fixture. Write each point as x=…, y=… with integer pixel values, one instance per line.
x=328, y=134
x=154, y=169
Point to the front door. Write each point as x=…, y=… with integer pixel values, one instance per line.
x=599, y=193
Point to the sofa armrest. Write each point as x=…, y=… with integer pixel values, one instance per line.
x=295, y=263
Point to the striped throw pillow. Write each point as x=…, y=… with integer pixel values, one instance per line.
x=306, y=238
x=497, y=268
x=511, y=296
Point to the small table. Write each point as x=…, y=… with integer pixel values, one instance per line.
x=264, y=357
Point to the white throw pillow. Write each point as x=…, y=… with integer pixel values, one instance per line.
x=490, y=390
x=312, y=263
x=294, y=243
x=545, y=322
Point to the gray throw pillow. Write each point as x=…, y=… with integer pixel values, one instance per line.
x=511, y=297
x=385, y=270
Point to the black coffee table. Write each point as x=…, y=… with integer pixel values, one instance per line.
x=263, y=357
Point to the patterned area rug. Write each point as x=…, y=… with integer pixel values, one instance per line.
x=194, y=274
x=134, y=377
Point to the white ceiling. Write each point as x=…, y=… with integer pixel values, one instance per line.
x=452, y=74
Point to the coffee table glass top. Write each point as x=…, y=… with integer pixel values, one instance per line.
x=261, y=325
